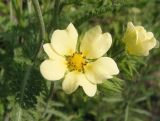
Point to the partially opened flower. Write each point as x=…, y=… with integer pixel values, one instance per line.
x=138, y=41
x=83, y=66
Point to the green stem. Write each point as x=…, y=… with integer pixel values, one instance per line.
x=11, y=11
x=28, y=72
x=25, y=79
x=52, y=91
x=7, y=110
x=50, y=96
x=40, y=18
x=29, y=4
x=56, y=13
x=126, y=113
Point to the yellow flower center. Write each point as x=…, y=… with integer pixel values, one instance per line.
x=76, y=62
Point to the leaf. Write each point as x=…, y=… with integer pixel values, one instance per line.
x=126, y=113
x=113, y=86
x=141, y=111
x=114, y=99
x=143, y=98
x=58, y=114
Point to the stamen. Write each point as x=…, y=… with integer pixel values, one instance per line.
x=76, y=62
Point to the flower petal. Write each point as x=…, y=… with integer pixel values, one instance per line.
x=149, y=35
x=74, y=79
x=101, y=69
x=141, y=33
x=130, y=36
x=147, y=46
x=95, y=44
x=70, y=82
x=64, y=41
x=89, y=88
x=53, y=70
x=142, y=49
x=138, y=41
x=157, y=44
x=50, y=52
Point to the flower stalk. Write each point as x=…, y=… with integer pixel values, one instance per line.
x=29, y=69
x=42, y=26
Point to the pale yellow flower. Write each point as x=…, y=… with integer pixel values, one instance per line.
x=83, y=67
x=138, y=41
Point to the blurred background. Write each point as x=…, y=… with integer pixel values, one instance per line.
x=134, y=95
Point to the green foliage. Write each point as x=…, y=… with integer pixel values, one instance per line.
x=25, y=95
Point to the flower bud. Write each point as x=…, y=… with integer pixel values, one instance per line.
x=138, y=41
